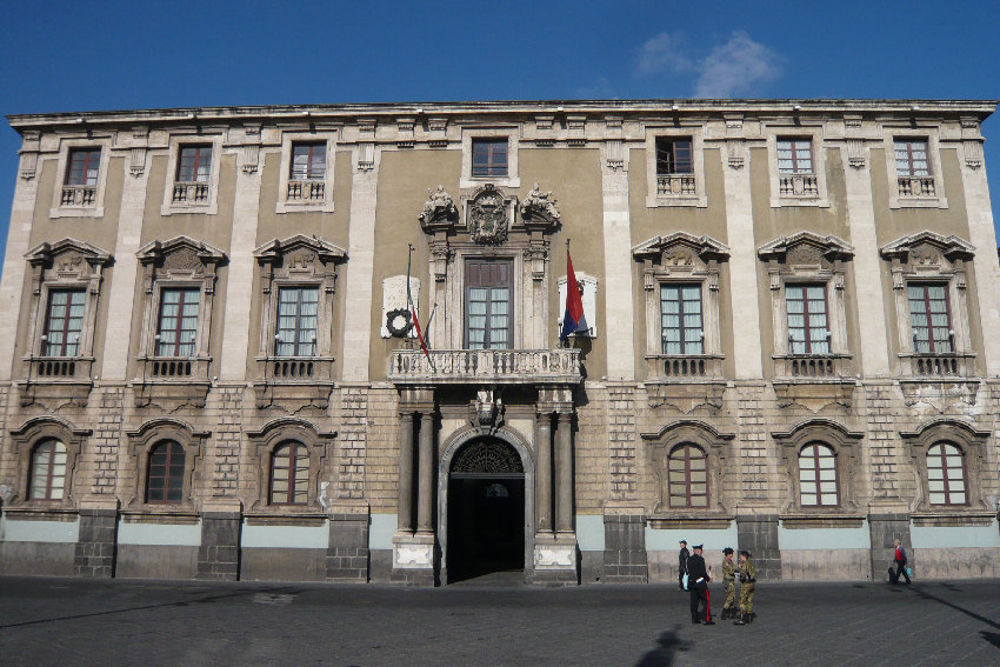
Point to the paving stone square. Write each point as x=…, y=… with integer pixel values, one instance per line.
x=52, y=621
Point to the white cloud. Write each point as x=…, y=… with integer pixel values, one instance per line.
x=664, y=51
x=737, y=67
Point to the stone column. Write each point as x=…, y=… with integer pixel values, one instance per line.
x=404, y=503
x=121, y=294
x=425, y=491
x=618, y=260
x=239, y=284
x=361, y=250
x=983, y=237
x=867, y=264
x=18, y=236
x=543, y=472
x=743, y=257
x=564, y=473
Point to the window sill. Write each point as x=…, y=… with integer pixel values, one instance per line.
x=690, y=520
x=473, y=182
x=310, y=515
x=76, y=212
x=833, y=517
x=804, y=200
x=657, y=201
x=41, y=510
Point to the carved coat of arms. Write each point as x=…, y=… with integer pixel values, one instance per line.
x=488, y=216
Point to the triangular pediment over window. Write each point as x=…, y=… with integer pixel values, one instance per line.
x=180, y=253
x=300, y=248
x=681, y=247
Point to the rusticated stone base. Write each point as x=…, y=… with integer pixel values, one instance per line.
x=625, y=549
x=95, y=548
x=219, y=553
x=347, y=555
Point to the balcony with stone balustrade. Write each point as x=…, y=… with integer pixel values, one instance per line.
x=556, y=366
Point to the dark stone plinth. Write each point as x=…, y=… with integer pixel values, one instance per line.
x=219, y=553
x=625, y=549
x=758, y=534
x=347, y=554
x=96, y=545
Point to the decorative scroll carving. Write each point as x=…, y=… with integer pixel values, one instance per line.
x=487, y=410
x=489, y=456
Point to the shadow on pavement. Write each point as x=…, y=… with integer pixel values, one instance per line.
x=177, y=603
x=663, y=655
x=991, y=637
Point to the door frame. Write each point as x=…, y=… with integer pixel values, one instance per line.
x=451, y=448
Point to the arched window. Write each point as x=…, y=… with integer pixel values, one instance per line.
x=165, y=478
x=687, y=477
x=818, y=476
x=48, y=471
x=946, y=474
x=290, y=474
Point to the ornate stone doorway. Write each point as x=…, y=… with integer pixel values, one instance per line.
x=487, y=522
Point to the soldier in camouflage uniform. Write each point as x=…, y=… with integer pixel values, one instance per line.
x=728, y=578
x=748, y=581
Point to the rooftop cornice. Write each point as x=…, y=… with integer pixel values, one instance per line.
x=909, y=107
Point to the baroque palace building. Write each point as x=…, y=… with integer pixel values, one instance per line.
x=208, y=367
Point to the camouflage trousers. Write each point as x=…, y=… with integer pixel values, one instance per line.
x=746, y=598
x=730, y=595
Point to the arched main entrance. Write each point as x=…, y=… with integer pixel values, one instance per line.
x=485, y=509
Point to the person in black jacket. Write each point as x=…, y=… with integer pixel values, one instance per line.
x=698, y=582
x=682, y=566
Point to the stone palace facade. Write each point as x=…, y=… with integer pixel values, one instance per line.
x=208, y=368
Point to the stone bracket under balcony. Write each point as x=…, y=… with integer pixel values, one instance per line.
x=685, y=396
x=556, y=366
x=814, y=393
x=172, y=381
x=942, y=393
x=293, y=383
x=52, y=381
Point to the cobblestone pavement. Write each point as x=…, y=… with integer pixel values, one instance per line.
x=79, y=622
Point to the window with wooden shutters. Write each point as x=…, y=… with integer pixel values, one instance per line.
x=64, y=323
x=194, y=164
x=48, y=471
x=911, y=157
x=289, y=483
x=488, y=304
x=177, y=331
x=687, y=477
x=84, y=166
x=930, y=317
x=818, y=476
x=165, y=473
x=946, y=474
x=674, y=156
x=298, y=311
x=808, y=326
x=795, y=156
x=681, y=327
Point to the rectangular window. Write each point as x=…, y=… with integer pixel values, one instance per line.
x=308, y=161
x=488, y=300
x=911, y=157
x=681, y=327
x=489, y=157
x=298, y=313
x=795, y=156
x=808, y=325
x=63, y=323
x=177, y=331
x=674, y=156
x=84, y=165
x=930, y=317
x=194, y=164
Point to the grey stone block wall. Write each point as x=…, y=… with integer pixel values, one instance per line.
x=758, y=534
x=219, y=553
x=95, y=547
x=884, y=528
x=347, y=555
x=625, y=549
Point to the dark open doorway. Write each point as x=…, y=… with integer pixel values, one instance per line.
x=485, y=510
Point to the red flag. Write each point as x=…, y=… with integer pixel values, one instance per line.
x=574, y=320
x=413, y=311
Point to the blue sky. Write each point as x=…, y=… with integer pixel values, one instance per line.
x=85, y=55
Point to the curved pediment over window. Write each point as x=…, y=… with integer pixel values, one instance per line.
x=806, y=249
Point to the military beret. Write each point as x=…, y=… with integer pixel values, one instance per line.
x=684, y=541
x=727, y=550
